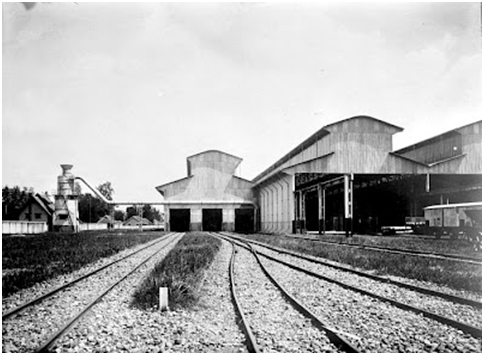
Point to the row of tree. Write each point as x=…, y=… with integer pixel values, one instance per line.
x=91, y=208
x=13, y=199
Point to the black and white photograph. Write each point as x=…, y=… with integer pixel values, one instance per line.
x=234, y=177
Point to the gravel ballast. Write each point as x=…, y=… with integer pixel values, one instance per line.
x=41, y=288
x=276, y=325
x=437, y=305
x=26, y=331
x=424, y=284
x=115, y=326
x=378, y=326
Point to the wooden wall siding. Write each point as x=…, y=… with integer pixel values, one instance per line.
x=277, y=205
x=439, y=149
x=209, y=184
x=212, y=179
x=353, y=153
x=369, y=152
x=471, y=129
x=241, y=187
x=358, y=143
x=363, y=124
x=213, y=159
x=34, y=209
x=471, y=163
x=175, y=188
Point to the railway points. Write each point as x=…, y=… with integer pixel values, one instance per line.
x=386, y=280
x=473, y=331
x=271, y=311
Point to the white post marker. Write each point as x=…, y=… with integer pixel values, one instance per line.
x=163, y=299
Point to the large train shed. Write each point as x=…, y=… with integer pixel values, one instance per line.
x=345, y=177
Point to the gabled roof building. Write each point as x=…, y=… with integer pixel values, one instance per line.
x=136, y=221
x=211, y=197
x=38, y=208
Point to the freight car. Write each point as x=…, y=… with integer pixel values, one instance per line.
x=460, y=220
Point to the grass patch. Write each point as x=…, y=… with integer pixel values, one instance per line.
x=409, y=242
x=32, y=259
x=181, y=271
x=457, y=275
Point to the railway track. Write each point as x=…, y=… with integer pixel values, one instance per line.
x=271, y=318
x=15, y=310
x=418, y=253
x=433, y=325
x=79, y=299
x=426, y=291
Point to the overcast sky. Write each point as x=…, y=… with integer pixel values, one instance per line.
x=126, y=91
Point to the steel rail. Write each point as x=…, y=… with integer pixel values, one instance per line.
x=47, y=345
x=474, y=331
x=446, y=296
x=20, y=308
x=333, y=335
x=425, y=254
x=252, y=345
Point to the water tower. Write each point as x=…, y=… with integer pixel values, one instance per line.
x=66, y=215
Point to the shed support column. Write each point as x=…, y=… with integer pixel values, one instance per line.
x=299, y=211
x=255, y=218
x=322, y=209
x=303, y=212
x=296, y=212
x=348, y=192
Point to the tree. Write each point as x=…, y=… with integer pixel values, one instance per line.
x=147, y=212
x=77, y=188
x=151, y=213
x=118, y=215
x=92, y=209
x=13, y=199
x=106, y=190
x=131, y=211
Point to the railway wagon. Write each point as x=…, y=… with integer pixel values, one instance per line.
x=455, y=220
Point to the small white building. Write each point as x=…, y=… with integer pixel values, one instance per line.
x=38, y=208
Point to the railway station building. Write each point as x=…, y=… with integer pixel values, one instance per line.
x=344, y=177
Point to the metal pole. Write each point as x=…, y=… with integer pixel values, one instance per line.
x=320, y=207
x=324, y=211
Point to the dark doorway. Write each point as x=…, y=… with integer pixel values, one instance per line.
x=312, y=211
x=212, y=219
x=179, y=219
x=244, y=220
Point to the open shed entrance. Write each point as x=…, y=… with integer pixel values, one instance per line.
x=179, y=219
x=244, y=220
x=212, y=219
